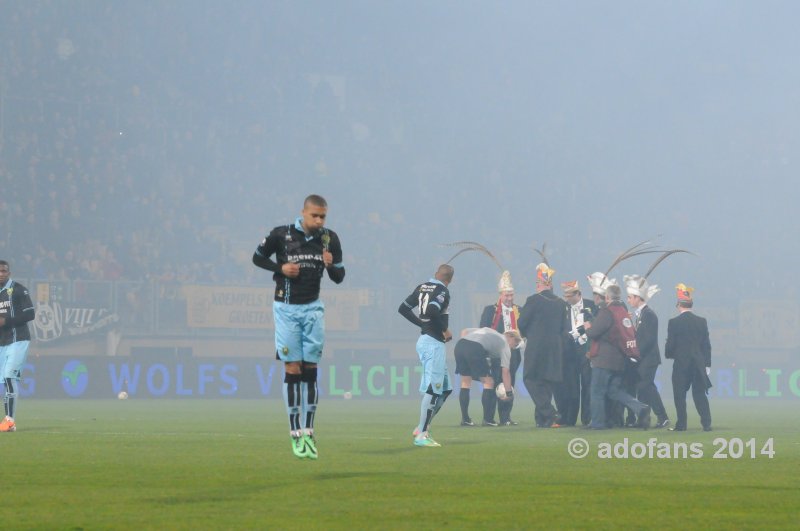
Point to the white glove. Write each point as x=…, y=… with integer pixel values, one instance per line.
x=708, y=371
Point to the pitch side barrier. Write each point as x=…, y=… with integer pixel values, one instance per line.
x=230, y=377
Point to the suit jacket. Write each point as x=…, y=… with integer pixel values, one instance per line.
x=606, y=354
x=687, y=341
x=647, y=338
x=488, y=316
x=571, y=347
x=543, y=321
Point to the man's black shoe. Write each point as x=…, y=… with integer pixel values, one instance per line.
x=663, y=423
x=509, y=423
x=706, y=428
x=467, y=422
x=677, y=428
x=489, y=423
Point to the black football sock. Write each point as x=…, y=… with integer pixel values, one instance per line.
x=463, y=401
x=293, y=400
x=310, y=392
x=489, y=401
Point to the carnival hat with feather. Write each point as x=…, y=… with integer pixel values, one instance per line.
x=600, y=281
x=544, y=273
x=504, y=285
x=638, y=285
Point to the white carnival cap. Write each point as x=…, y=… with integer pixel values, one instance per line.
x=637, y=285
x=600, y=283
x=505, y=284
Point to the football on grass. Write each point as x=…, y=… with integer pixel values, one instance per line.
x=122, y=395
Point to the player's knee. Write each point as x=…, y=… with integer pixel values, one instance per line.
x=293, y=367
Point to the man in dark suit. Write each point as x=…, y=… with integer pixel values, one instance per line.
x=688, y=345
x=645, y=321
x=502, y=317
x=573, y=393
x=543, y=321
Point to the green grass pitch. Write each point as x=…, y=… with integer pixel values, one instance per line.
x=202, y=464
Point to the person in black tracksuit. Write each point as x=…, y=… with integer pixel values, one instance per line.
x=303, y=252
x=16, y=311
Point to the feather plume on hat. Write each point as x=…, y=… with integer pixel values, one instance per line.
x=543, y=253
x=600, y=281
x=638, y=285
x=472, y=246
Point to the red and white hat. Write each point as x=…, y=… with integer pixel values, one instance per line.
x=684, y=292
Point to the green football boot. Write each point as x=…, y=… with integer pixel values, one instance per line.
x=311, y=446
x=299, y=446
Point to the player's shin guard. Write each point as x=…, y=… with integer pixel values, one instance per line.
x=310, y=391
x=10, y=398
x=293, y=399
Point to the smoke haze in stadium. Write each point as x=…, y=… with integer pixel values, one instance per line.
x=589, y=126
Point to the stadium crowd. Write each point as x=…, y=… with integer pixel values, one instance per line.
x=125, y=157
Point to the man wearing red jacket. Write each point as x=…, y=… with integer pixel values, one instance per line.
x=608, y=363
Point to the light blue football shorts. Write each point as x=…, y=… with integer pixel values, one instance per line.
x=299, y=331
x=432, y=355
x=12, y=358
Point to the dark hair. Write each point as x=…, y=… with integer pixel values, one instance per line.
x=686, y=304
x=316, y=200
x=3, y=262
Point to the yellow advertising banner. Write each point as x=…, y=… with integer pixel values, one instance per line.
x=251, y=307
x=769, y=324
x=228, y=307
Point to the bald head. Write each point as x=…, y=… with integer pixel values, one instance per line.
x=444, y=273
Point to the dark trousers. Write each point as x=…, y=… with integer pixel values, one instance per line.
x=647, y=392
x=568, y=391
x=630, y=378
x=682, y=379
x=608, y=383
x=504, y=406
x=586, y=391
x=541, y=392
